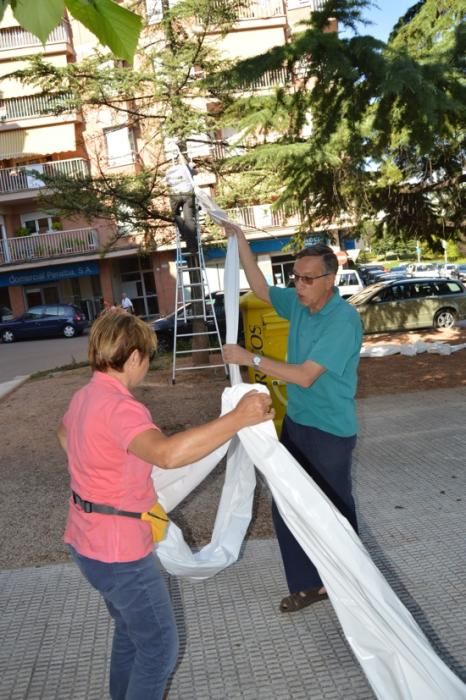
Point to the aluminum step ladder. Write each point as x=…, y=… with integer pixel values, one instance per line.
x=194, y=302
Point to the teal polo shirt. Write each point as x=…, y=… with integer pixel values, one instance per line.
x=331, y=337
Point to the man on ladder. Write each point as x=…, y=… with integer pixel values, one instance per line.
x=192, y=283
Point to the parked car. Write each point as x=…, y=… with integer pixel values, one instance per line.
x=164, y=327
x=370, y=271
x=411, y=303
x=423, y=270
x=348, y=282
x=6, y=314
x=392, y=275
x=461, y=270
x=43, y=322
x=449, y=270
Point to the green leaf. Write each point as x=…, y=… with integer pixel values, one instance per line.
x=39, y=17
x=112, y=24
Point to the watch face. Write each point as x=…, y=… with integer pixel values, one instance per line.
x=256, y=360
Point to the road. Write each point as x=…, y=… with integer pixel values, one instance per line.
x=29, y=356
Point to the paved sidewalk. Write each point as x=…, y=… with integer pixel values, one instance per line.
x=410, y=482
x=7, y=388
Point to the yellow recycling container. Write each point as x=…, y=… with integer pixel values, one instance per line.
x=266, y=333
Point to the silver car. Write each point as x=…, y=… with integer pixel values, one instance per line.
x=411, y=303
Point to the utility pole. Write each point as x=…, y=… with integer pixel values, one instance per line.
x=445, y=253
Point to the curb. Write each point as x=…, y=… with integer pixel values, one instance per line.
x=7, y=388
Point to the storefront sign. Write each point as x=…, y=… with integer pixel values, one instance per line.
x=43, y=275
x=268, y=245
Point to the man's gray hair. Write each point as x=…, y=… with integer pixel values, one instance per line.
x=329, y=259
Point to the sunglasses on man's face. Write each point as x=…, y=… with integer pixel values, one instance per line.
x=306, y=279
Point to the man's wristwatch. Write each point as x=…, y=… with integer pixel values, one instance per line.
x=256, y=360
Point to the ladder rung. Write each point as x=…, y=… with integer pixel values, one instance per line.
x=215, y=348
x=187, y=369
x=193, y=335
x=198, y=317
x=184, y=291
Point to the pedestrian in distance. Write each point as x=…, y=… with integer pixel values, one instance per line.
x=126, y=303
x=112, y=443
x=319, y=429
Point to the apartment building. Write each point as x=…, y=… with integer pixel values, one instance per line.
x=45, y=258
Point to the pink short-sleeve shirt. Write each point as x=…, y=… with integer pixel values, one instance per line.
x=102, y=419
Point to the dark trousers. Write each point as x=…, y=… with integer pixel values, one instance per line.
x=327, y=459
x=145, y=640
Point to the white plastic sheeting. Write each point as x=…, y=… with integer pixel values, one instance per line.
x=395, y=655
x=235, y=508
x=410, y=349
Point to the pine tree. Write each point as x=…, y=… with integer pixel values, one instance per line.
x=363, y=130
x=159, y=99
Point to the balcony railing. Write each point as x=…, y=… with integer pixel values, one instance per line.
x=260, y=9
x=31, y=106
x=262, y=216
x=221, y=149
x=270, y=78
x=48, y=245
x=27, y=177
x=16, y=37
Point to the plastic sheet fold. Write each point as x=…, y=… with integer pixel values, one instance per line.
x=395, y=655
x=410, y=349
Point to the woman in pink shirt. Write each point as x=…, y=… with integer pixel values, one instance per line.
x=111, y=443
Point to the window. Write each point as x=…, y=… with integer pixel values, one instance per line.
x=34, y=313
x=120, y=146
x=449, y=287
x=137, y=280
x=424, y=289
x=52, y=310
x=348, y=279
x=39, y=222
x=282, y=267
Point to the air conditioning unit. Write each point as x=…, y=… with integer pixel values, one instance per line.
x=263, y=215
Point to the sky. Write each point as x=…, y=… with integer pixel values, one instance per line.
x=385, y=17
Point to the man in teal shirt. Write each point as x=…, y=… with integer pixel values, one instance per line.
x=320, y=425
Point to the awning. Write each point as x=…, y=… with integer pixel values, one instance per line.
x=41, y=141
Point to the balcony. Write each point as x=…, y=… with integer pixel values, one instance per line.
x=262, y=216
x=27, y=177
x=222, y=149
x=16, y=108
x=261, y=9
x=277, y=77
x=313, y=5
x=18, y=38
x=53, y=244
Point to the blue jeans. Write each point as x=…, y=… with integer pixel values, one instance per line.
x=327, y=459
x=145, y=642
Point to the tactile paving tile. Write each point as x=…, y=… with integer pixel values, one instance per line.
x=410, y=485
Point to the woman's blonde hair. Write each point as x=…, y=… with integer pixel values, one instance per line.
x=114, y=336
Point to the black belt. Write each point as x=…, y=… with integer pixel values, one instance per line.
x=89, y=507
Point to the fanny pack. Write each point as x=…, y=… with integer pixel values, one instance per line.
x=155, y=516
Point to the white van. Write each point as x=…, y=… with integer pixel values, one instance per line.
x=348, y=283
x=423, y=270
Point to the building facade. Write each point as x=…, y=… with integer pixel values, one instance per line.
x=45, y=258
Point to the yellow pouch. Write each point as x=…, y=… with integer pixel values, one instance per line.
x=158, y=520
